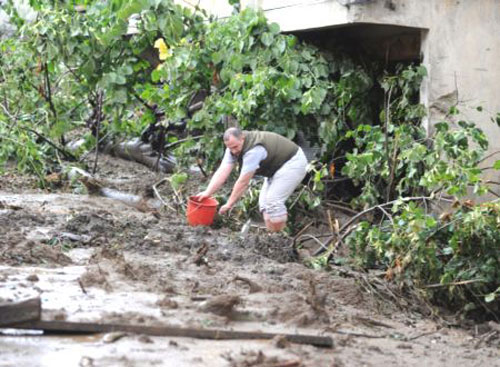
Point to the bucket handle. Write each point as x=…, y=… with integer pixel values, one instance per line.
x=198, y=205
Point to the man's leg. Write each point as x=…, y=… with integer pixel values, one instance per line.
x=278, y=189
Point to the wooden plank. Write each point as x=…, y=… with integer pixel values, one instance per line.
x=15, y=312
x=83, y=327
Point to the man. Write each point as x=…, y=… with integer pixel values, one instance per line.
x=278, y=159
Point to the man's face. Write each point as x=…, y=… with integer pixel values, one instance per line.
x=234, y=145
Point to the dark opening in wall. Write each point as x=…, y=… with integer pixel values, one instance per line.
x=385, y=43
x=377, y=49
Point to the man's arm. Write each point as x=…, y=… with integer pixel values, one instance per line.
x=239, y=189
x=220, y=176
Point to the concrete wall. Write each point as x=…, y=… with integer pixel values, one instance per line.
x=460, y=47
x=219, y=8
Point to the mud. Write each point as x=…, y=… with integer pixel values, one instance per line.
x=92, y=258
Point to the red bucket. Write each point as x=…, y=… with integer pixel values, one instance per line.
x=201, y=213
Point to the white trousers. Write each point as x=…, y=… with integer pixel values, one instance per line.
x=278, y=188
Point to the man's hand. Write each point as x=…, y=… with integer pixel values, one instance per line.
x=224, y=209
x=201, y=196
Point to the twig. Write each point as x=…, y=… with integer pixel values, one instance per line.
x=485, y=338
x=493, y=193
x=98, y=125
x=301, y=231
x=82, y=287
x=168, y=146
x=489, y=156
x=322, y=246
x=386, y=142
x=423, y=334
x=388, y=215
x=330, y=222
x=341, y=207
x=155, y=190
x=65, y=153
x=462, y=282
x=83, y=156
x=360, y=335
x=298, y=197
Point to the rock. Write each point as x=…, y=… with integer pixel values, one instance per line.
x=220, y=305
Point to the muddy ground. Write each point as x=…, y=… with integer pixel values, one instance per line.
x=92, y=258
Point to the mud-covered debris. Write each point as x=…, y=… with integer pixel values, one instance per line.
x=92, y=184
x=94, y=276
x=4, y=205
x=75, y=237
x=32, y=278
x=145, y=339
x=259, y=359
x=114, y=336
x=317, y=300
x=86, y=362
x=60, y=316
x=274, y=246
x=167, y=302
x=200, y=256
x=254, y=287
x=220, y=305
x=281, y=342
x=33, y=252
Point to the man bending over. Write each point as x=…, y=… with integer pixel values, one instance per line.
x=278, y=159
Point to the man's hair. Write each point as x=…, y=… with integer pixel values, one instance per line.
x=233, y=131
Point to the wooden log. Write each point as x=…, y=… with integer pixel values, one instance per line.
x=216, y=334
x=16, y=312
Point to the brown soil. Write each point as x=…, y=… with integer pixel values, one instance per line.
x=92, y=258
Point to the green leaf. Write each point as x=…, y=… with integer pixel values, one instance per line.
x=490, y=297
x=266, y=39
x=496, y=165
x=274, y=28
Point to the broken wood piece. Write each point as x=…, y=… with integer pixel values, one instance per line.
x=200, y=259
x=254, y=287
x=113, y=336
x=370, y=322
x=15, y=312
x=292, y=363
x=215, y=334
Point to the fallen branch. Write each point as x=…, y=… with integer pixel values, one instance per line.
x=157, y=194
x=462, y=282
x=380, y=207
x=300, y=232
x=214, y=334
x=341, y=207
x=70, y=157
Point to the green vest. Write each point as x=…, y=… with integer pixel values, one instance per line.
x=279, y=150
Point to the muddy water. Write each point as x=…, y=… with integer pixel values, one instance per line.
x=97, y=259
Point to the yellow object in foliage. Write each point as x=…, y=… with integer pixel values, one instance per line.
x=162, y=49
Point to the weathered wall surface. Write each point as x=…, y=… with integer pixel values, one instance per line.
x=460, y=47
x=219, y=8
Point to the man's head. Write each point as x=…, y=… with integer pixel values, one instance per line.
x=234, y=139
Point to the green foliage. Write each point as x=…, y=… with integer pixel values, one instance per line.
x=396, y=159
x=77, y=65
x=266, y=80
x=457, y=253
